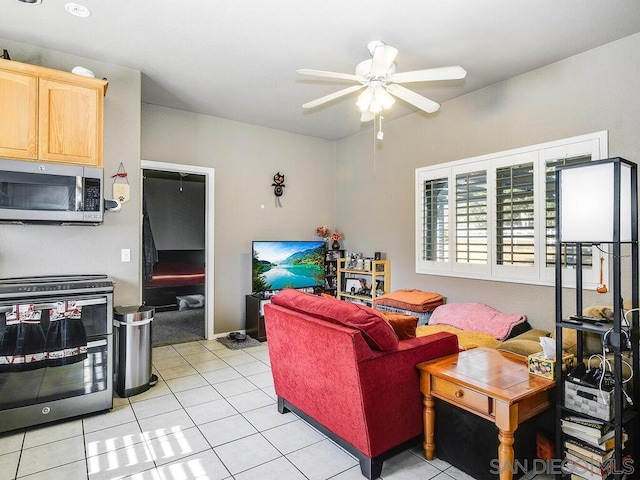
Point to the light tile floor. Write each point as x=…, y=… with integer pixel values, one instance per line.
x=211, y=416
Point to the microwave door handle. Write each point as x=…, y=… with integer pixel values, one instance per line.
x=79, y=204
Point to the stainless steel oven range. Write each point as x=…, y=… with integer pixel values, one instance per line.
x=56, y=358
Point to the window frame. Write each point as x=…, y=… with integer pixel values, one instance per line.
x=593, y=144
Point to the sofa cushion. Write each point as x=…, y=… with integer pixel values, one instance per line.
x=377, y=332
x=404, y=325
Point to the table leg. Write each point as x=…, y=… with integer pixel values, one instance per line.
x=429, y=426
x=507, y=423
x=506, y=454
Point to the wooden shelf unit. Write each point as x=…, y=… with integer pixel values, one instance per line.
x=379, y=272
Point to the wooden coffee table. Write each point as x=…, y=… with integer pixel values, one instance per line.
x=489, y=383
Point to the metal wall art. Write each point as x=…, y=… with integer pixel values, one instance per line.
x=278, y=186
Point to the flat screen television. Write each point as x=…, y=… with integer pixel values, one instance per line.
x=287, y=264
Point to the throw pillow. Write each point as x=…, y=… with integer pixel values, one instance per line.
x=377, y=332
x=522, y=347
x=404, y=325
x=524, y=344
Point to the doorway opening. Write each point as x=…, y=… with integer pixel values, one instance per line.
x=177, y=250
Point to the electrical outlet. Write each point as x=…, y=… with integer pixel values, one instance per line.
x=125, y=255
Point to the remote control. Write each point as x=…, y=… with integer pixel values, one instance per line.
x=584, y=318
x=572, y=321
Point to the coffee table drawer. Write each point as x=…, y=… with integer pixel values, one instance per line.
x=461, y=395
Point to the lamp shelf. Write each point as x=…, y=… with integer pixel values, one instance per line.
x=597, y=202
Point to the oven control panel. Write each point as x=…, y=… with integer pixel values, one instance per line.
x=27, y=286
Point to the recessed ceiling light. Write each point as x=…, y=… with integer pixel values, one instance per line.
x=77, y=10
x=31, y=2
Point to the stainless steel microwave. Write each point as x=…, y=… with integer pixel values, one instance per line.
x=32, y=192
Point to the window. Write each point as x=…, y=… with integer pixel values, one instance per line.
x=502, y=221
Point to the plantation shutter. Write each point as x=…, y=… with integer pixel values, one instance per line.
x=471, y=217
x=569, y=249
x=515, y=235
x=436, y=220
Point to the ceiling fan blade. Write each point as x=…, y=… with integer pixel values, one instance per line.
x=322, y=73
x=413, y=98
x=383, y=57
x=332, y=96
x=454, y=72
x=367, y=116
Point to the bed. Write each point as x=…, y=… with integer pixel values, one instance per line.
x=177, y=273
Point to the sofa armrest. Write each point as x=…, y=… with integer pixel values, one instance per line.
x=390, y=388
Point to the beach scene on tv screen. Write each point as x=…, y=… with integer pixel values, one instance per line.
x=279, y=265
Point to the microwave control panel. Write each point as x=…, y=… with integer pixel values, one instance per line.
x=92, y=195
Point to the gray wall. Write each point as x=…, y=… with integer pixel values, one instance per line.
x=246, y=158
x=594, y=91
x=177, y=216
x=49, y=250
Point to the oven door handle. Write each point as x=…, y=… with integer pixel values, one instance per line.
x=53, y=305
x=97, y=343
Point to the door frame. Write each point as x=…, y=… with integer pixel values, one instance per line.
x=209, y=197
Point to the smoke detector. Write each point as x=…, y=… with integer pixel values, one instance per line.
x=77, y=10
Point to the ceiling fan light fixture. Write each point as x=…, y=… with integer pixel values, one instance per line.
x=364, y=99
x=384, y=98
x=375, y=106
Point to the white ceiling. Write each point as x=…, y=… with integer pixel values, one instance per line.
x=237, y=59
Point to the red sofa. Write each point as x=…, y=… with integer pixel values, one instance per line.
x=341, y=367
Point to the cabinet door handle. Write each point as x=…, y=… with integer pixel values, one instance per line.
x=459, y=394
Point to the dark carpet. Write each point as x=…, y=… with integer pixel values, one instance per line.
x=178, y=327
x=233, y=344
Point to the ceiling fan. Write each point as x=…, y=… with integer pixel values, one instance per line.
x=381, y=82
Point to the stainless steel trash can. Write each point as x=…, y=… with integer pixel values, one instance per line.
x=132, y=349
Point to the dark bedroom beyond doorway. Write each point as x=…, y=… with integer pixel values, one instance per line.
x=174, y=254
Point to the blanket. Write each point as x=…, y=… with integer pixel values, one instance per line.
x=476, y=317
x=466, y=340
x=413, y=300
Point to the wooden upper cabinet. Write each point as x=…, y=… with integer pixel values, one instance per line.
x=51, y=115
x=18, y=115
x=70, y=123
